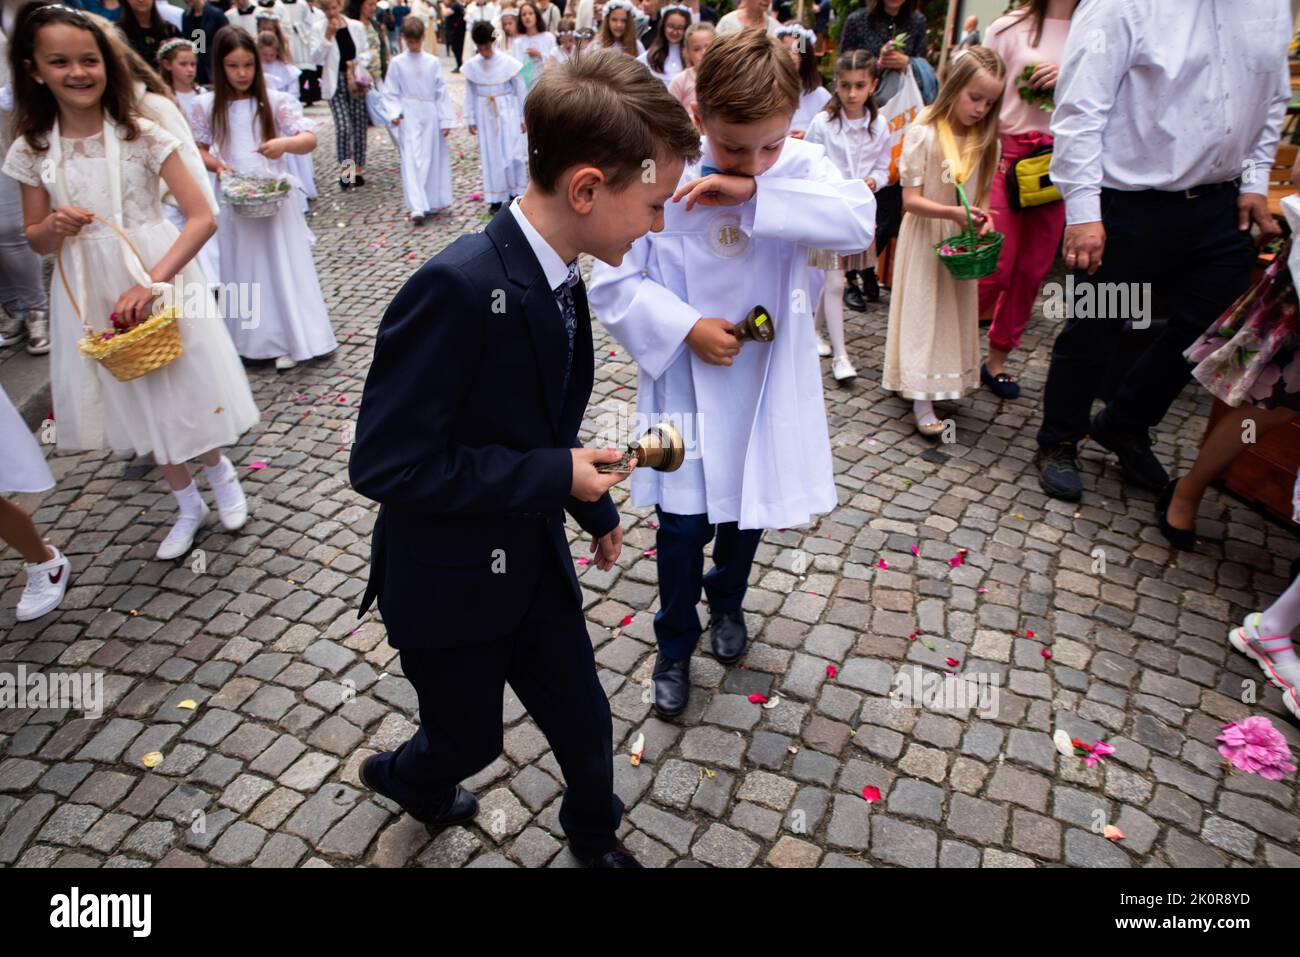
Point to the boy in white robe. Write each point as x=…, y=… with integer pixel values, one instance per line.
x=735, y=236
x=494, y=100
x=425, y=116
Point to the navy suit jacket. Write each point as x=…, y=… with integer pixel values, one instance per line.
x=463, y=437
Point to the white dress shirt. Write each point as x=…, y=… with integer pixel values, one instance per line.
x=1169, y=95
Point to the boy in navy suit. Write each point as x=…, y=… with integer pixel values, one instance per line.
x=474, y=469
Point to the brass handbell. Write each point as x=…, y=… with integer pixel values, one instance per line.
x=756, y=326
x=661, y=448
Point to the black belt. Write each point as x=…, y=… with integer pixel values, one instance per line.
x=1196, y=192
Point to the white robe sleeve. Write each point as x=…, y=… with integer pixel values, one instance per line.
x=442, y=100
x=646, y=318
x=393, y=87
x=520, y=89
x=823, y=210
x=471, y=103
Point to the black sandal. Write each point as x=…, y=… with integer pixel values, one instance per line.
x=1002, y=385
x=1183, y=539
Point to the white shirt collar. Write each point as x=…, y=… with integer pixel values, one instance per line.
x=554, y=268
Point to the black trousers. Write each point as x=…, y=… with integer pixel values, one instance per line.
x=309, y=85
x=456, y=45
x=549, y=663
x=1196, y=262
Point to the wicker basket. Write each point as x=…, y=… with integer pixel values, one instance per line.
x=143, y=348
x=981, y=256
x=258, y=205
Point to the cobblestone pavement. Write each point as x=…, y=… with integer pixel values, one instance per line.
x=292, y=692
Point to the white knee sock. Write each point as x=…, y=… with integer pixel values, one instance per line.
x=223, y=471
x=190, y=501
x=833, y=307
x=923, y=409
x=1281, y=617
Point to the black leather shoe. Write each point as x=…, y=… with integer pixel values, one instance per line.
x=620, y=856
x=672, y=686
x=870, y=285
x=1059, y=471
x=360, y=180
x=464, y=806
x=729, y=636
x=1136, y=460
x=1181, y=538
x=853, y=299
x=1002, y=385
x=345, y=184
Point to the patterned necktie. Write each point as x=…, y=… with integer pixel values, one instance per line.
x=564, y=298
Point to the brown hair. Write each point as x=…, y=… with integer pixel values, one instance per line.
x=412, y=27
x=273, y=27
x=746, y=77
x=227, y=41
x=606, y=35
x=961, y=72
x=1032, y=11
x=659, y=49
x=35, y=108
x=607, y=110
x=704, y=26
x=853, y=60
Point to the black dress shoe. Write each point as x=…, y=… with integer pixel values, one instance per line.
x=494, y=208
x=853, y=299
x=729, y=636
x=464, y=806
x=344, y=184
x=620, y=856
x=672, y=686
x=1002, y=385
x=870, y=285
x=361, y=180
x=1136, y=460
x=1059, y=471
x=1183, y=539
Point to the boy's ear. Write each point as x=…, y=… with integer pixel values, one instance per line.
x=585, y=182
x=695, y=116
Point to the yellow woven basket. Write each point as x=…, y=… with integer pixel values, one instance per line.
x=143, y=348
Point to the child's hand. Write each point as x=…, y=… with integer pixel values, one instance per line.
x=70, y=220
x=871, y=183
x=523, y=127
x=473, y=130
x=588, y=485
x=796, y=134
x=717, y=189
x=1044, y=76
x=134, y=305
x=397, y=122
x=607, y=547
x=272, y=149
x=711, y=339
x=446, y=133
x=982, y=219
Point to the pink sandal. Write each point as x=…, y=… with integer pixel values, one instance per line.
x=1261, y=650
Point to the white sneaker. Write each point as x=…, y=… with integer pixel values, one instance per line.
x=181, y=537
x=46, y=585
x=232, y=507
x=843, y=369
x=823, y=347
x=1261, y=650
x=284, y=363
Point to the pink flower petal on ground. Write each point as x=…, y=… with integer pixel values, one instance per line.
x=871, y=794
x=651, y=524
x=651, y=552
x=757, y=698
x=627, y=620
x=982, y=591
x=1029, y=634
x=583, y=561
x=475, y=197
x=1045, y=653
x=256, y=466
x=952, y=662
x=831, y=671
x=916, y=551
x=882, y=564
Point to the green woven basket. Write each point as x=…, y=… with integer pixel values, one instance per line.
x=981, y=256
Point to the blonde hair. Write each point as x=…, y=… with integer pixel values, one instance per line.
x=746, y=77
x=961, y=72
x=702, y=27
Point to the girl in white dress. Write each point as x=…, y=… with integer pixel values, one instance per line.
x=856, y=141
x=494, y=112
x=23, y=469
x=282, y=77
x=664, y=58
x=84, y=149
x=534, y=44
x=813, y=95
x=566, y=42
x=425, y=116
x=243, y=128
x=617, y=31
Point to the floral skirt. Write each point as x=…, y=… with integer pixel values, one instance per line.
x=1251, y=353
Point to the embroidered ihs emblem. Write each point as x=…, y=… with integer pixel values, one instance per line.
x=726, y=238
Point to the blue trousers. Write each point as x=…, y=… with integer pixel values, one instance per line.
x=680, y=545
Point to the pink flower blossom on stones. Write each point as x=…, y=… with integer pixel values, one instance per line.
x=1253, y=745
x=1098, y=751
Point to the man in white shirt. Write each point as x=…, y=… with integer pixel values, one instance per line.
x=1168, y=114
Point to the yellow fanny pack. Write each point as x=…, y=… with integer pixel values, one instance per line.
x=1029, y=180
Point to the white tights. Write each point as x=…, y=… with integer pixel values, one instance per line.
x=830, y=310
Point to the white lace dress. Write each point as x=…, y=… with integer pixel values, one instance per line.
x=280, y=309
x=197, y=402
x=22, y=466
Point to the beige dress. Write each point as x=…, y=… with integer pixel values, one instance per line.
x=932, y=348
